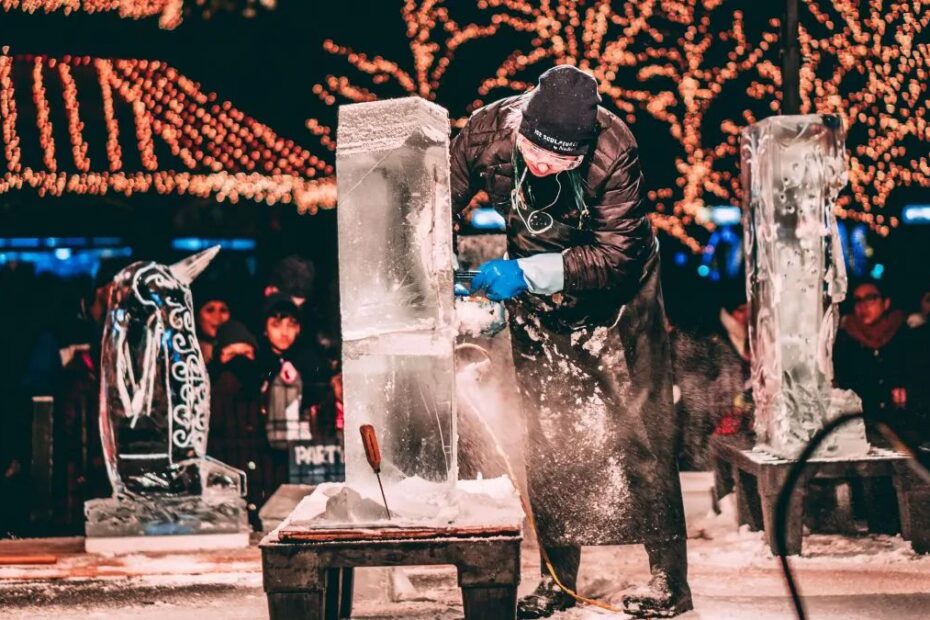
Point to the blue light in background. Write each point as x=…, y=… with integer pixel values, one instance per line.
x=64, y=262
x=681, y=259
x=187, y=244
x=916, y=214
x=725, y=215
x=724, y=250
x=858, y=243
x=60, y=242
x=877, y=271
x=24, y=242
x=241, y=245
x=102, y=241
x=196, y=244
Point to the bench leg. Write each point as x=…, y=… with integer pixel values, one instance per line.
x=794, y=526
x=880, y=506
x=347, y=589
x=748, y=503
x=296, y=585
x=914, y=506
x=490, y=603
x=488, y=577
x=289, y=605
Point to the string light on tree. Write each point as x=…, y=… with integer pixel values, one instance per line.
x=186, y=141
x=871, y=68
x=169, y=12
x=11, y=148
x=683, y=63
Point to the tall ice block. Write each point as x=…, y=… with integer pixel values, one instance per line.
x=793, y=168
x=395, y=278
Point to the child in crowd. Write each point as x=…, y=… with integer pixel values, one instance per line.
x=290, y=360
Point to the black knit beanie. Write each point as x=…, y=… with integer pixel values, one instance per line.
x=280, y=305
x=206, y=291
x=293, y=276
x=231, y=332
x=561, y=114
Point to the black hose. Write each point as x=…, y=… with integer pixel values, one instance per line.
x=794, y=474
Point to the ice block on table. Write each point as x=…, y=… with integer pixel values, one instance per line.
x=395, y=278
x=793, y=168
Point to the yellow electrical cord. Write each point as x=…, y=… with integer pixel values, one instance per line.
x=578, y=597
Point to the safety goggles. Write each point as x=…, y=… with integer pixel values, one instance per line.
x=540, y=156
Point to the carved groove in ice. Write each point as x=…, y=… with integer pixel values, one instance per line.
x=793, y=168
x=395, y=278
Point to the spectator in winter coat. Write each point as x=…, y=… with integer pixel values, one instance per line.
x=237, y=427
x=918, y=391
x=919, y=318
x=871, y=356
x=78, y=455
x=293, y=277
x=711, y=376
x=285, y=353
x=212, y=311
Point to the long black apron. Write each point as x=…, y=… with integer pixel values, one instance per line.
x=594, y=373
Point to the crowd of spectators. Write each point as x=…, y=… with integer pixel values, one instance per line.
x=275, y=377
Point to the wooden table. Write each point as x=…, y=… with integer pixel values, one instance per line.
x=759, y=477
x=308, y=573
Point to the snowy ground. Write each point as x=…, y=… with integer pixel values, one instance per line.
x=732, y=575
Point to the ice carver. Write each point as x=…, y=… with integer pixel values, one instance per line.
x=588, y=328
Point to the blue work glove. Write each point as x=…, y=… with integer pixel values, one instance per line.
x=501, y=279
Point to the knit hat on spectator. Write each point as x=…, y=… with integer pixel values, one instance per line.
x=280, y=304
x=293, y=276
x=232, y=332
x=561, y=114
x=208, y=290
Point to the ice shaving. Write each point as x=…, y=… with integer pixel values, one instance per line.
x=414, y=502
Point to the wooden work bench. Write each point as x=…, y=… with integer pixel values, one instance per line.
x=308, y=573
x=759, y=476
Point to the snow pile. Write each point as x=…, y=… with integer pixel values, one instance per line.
x=738, y=546
x=414, y=502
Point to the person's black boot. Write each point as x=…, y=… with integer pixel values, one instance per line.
x=668, y=593
x=547, y=599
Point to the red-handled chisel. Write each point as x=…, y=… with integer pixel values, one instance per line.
x=373, y=454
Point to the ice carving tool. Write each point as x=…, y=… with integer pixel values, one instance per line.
x=462, y=281
x=373, y=454
x=495, y=318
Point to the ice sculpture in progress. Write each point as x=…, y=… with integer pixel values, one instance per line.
x=793, y=168
x=396, y=287
x=398, y=331
x=154, y=415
